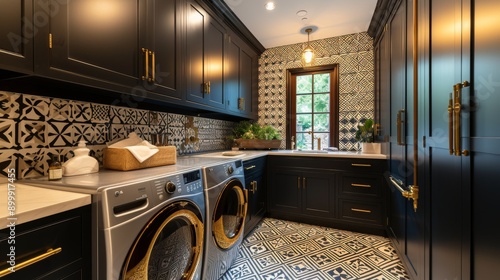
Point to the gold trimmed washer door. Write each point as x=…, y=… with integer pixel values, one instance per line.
x=229, y=214
x=169, y=247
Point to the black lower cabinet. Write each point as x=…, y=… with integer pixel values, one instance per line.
x=255, y=182
x=64, y=240
x=335, y=192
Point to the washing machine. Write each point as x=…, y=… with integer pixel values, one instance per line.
x=226, y=201
x=147, y=224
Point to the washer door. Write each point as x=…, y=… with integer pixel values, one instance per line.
x=229, y=214
x=169, y=246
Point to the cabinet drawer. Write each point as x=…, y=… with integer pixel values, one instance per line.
x=361, y=211
x=363, y=165
x=254, y=166
x=361, y=186
x=64, y=237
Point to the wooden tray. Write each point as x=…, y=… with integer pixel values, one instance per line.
x=122, y=159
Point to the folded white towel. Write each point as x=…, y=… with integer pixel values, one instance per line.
x=141, y=149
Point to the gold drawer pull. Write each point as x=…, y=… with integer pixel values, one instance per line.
x=361, y=185
x=250, y=167
x=360, y=210
x=361, y=165
x=50, y=252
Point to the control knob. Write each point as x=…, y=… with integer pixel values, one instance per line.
x=230, y=170
x=170, y=187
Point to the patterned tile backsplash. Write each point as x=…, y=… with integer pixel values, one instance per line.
x=33, y=128
x=354, y=55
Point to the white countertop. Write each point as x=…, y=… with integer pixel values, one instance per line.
x=250, y=154
x=33, y=203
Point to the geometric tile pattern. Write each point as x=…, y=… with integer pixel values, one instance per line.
x=33, y=128
x=278, y=249
x=354, y=55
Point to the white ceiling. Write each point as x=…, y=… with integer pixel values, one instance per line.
x=282, y=26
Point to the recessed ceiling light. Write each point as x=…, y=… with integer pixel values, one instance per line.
x=301, y=13
x=270, y=6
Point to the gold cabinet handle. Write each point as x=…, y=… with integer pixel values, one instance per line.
x=255, y=186
x=361, y=185
x=146, y=63
x=298, y=183
x=450, y=124
x=152, y=78
x=409, y=194
x=360, y=210
x=361, y=165
x=457, y=119
x=209, y=89
x=250, y=167
x=50, y=252
x=304, y=183
x=400, y=122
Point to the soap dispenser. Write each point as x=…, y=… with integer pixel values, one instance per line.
x=81, y=163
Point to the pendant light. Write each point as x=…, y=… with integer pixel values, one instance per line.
x=308, y=56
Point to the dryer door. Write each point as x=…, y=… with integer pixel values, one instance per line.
x=169, y=247
x=229, y=214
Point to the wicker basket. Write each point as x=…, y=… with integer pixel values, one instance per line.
x=122, y=159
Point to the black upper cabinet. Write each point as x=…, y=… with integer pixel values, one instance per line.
x=164, y=47
x=204, y=57
x=16, y=36
x=93, y=39
x=240, y=74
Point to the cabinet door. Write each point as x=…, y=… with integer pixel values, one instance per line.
x=164, y=40
x=239, y=74
x=284, y=191
x=16, y=36
x=318, y=194
x=485, y=142
x=215, y=36
x=91, y=38
x=204, y=57
x=447, y=173
x=232, y=75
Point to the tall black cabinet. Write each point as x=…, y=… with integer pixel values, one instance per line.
x=451, y=235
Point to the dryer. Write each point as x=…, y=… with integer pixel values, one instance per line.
x=147, y=224
x=226, y=201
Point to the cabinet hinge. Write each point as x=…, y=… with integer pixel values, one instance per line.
x=50, y=40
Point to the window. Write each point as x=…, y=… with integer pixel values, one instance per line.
x=313, y=107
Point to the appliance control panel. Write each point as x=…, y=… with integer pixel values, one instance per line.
x=219, y=173
x=178, y=185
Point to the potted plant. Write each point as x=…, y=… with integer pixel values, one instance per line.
x=249, y=135
x=366, y=137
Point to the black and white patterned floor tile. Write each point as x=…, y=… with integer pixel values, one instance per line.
x=285, y=250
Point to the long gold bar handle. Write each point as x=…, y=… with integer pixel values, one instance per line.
x=457, y=120
x=450, y=124
x=411, y=194
x=49, y=253
x=153, y=66
x=361, y=185
x=457, y=109
x=360, y=210
x=209, y=89
x=146, y=63
x=304, y=183
x=298, y=183
x=400, y=122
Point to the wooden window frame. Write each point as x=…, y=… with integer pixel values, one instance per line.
x=291, y=118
